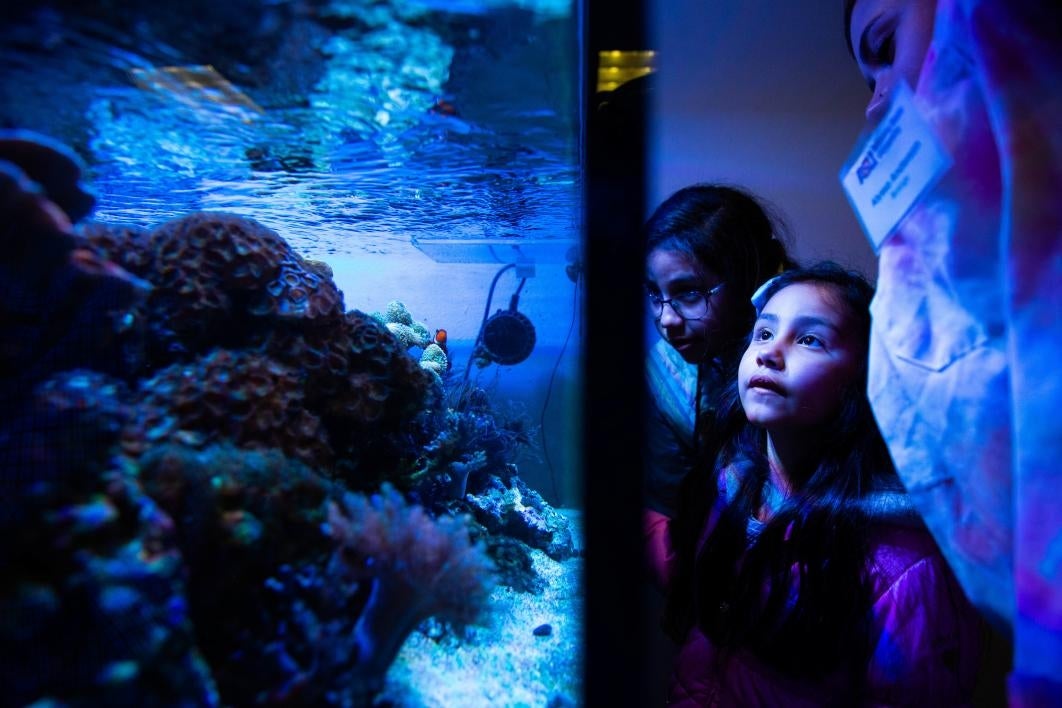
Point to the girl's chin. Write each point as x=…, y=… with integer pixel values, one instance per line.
x=691, y=352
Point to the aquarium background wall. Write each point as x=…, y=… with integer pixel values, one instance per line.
x=251, y=406
x=784, y=110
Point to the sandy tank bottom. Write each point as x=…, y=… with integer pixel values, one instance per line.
x=504, y=663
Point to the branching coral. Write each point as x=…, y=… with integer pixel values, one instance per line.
x=417, y=567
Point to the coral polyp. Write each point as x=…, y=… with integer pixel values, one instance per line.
x=242, y=397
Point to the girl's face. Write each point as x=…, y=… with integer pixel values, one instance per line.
x=890, y=39
x=803, y=356
x=672, y=274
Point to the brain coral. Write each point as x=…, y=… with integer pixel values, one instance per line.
x=242, y=397
x=125, y=245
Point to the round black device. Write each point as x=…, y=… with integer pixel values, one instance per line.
x=508, y=337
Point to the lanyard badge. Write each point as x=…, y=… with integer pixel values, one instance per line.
x=893, y=167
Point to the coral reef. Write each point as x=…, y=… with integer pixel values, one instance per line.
x=338, y=388
x=241, y=397
x=417, y=568
x=218, y=280
x=186, y=416
x=59, y=307
x=92, y=603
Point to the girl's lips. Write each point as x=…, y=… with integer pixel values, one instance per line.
x=766, y=384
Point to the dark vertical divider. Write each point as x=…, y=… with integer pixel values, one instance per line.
x=614, y=161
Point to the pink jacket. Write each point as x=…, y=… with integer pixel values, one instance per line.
x=926, y=640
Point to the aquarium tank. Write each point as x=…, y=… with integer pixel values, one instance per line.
x=290, y=302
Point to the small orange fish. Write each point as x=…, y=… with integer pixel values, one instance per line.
x=443, y=107
x=440, y=339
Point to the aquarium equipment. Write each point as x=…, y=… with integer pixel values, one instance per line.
x=507, y=337
x=497, y=250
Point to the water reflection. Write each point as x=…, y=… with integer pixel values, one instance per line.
x=365, y=124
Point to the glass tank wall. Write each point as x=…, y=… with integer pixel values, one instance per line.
x=289, y=387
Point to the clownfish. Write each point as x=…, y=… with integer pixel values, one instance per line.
x=440, y=340
x=442, y=107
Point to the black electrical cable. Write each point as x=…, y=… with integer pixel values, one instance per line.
x=549, y=389
x=486, y=313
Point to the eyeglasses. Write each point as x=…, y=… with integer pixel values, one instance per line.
x=690, y=305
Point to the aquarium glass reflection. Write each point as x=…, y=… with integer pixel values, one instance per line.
x=289, y=388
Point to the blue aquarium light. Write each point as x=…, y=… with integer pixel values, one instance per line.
x=494, y=250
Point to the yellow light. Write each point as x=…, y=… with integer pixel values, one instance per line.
x=617, y=66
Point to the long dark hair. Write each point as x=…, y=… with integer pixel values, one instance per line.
x=815, y=545
x=727, y=231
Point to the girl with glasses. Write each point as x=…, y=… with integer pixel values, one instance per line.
x=708, y=248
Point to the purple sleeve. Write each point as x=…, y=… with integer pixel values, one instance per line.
x=926, y=640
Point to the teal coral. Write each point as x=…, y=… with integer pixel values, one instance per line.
x=401, y=324
x=406, y=335
x=434, y=359
x=398, y=313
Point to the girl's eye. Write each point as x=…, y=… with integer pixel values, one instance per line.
x=689, y=298
x=810, y=340
x=761, y=335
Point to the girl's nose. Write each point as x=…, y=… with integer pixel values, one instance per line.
x=769, y=357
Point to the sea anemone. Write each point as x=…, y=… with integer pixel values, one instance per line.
x=416, y=566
